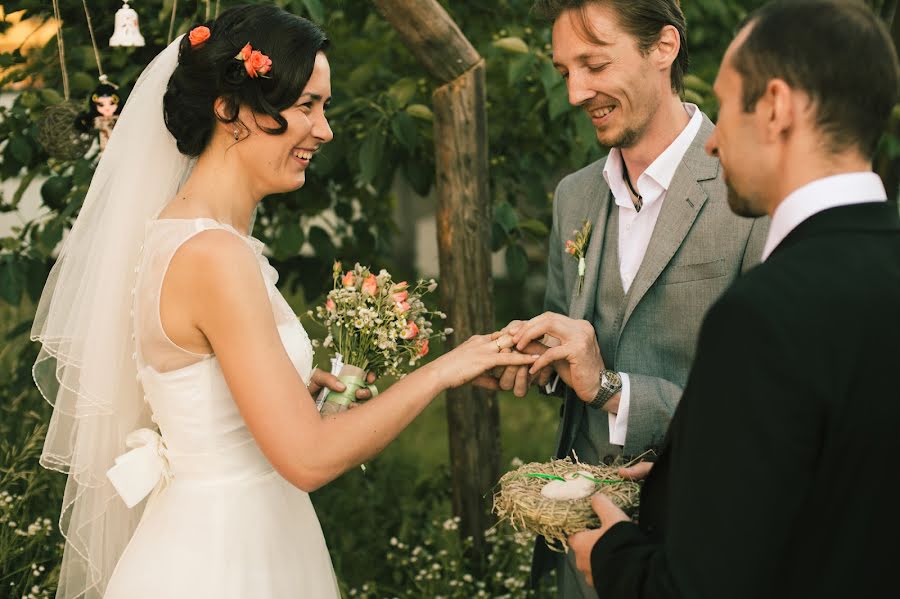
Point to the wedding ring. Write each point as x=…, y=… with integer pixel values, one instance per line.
x=504, y=342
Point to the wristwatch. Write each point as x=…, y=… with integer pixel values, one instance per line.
x=610, y=384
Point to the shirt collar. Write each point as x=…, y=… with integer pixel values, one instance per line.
x=819, y=195
x=656, y=178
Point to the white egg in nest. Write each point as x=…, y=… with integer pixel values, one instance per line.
x=576, y=486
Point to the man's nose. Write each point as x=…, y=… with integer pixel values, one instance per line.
x=579, y=91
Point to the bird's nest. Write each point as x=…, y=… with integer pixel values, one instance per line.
x=519, y=499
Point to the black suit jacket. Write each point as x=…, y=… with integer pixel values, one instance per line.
x=778, y=476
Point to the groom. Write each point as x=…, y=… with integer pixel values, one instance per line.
x=663, y=244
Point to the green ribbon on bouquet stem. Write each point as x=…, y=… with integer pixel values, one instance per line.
x=348, y=395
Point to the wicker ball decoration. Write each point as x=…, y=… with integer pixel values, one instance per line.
x=59, y=135
x=519, y=500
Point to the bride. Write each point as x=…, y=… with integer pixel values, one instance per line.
x=161, y=314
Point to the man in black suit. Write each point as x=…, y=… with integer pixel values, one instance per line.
x=777, y=477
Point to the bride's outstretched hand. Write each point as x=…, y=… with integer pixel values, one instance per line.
x=476, y=356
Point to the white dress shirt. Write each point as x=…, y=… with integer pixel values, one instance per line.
x=821, y=194
x=636, y=228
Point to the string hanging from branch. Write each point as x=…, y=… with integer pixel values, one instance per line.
x=57, y=129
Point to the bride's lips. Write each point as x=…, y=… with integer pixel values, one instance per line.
x=302, y=155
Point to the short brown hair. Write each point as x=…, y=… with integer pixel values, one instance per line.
x=837, y=52
x=643, y=19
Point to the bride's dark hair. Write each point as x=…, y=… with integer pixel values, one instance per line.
x=209, y=71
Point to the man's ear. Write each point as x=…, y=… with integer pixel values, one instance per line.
x=667, y=47
x=777, y=108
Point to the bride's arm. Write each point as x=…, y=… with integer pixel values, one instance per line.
x=221, y=282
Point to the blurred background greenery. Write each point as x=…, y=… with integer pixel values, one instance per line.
x=368, y=198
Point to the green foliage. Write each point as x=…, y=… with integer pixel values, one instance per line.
x=30, y=544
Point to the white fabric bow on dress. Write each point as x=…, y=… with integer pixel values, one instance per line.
x=142, y=469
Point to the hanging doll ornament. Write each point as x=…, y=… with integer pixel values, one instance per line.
x=126, y=32
x=104, y=107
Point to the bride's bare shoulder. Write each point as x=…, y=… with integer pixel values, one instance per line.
x=213, y=259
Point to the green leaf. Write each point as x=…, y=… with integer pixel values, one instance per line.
x=314, y=9
x=519, y=67
x=24, y=184
x=289, y=240
x=10, y=282
x=498, y=237
x=558, y=103
x=82, y=83
x=697, y=84
x=51, y=235
x=419, y=174
x=320, y=240
x=404, y=130
x=50, y=96
x=420, y=111
x=403, y=90
x=516, y=262
x=21, y=150
x=54, y=192
x=550, y=77
x=505, y=216
x=370, y=155
x=535, y=227
x=693, y=97
x=512, y=44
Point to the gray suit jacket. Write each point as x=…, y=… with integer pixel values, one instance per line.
x=697, y=249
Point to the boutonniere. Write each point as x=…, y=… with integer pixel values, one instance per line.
x=576, y=248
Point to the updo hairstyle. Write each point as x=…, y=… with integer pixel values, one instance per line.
x=210, y=70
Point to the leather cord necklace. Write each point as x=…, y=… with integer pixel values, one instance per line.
x=636, y=198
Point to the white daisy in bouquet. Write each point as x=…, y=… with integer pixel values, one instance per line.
x=374, y=325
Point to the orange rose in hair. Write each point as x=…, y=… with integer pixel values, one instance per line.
x=258, y=64
x=198, y=35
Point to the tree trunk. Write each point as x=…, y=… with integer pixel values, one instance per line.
x=464, y=218
x=464, y=233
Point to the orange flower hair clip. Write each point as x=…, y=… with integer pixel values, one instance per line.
x=198, y=35
x=255, y=62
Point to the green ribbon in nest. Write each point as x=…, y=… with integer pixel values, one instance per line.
x=348, y=395
x=555, y=477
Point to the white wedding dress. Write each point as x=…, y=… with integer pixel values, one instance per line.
x=220, y=522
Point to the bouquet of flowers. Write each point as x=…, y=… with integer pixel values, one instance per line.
x=374, y=324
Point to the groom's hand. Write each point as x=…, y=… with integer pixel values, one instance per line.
x=518, y=379
x=578, y=358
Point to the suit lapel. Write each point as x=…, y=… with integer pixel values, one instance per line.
x=684, y=200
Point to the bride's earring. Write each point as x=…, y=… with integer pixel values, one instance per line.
x=236, y=135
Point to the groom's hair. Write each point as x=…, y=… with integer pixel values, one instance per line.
x=643, y=19
x=838, y=53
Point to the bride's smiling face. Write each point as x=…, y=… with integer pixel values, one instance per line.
x=278, y=163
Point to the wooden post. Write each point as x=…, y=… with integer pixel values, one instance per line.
x=464, y=233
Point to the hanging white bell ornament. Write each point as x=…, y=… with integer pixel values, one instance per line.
x=126, y=32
